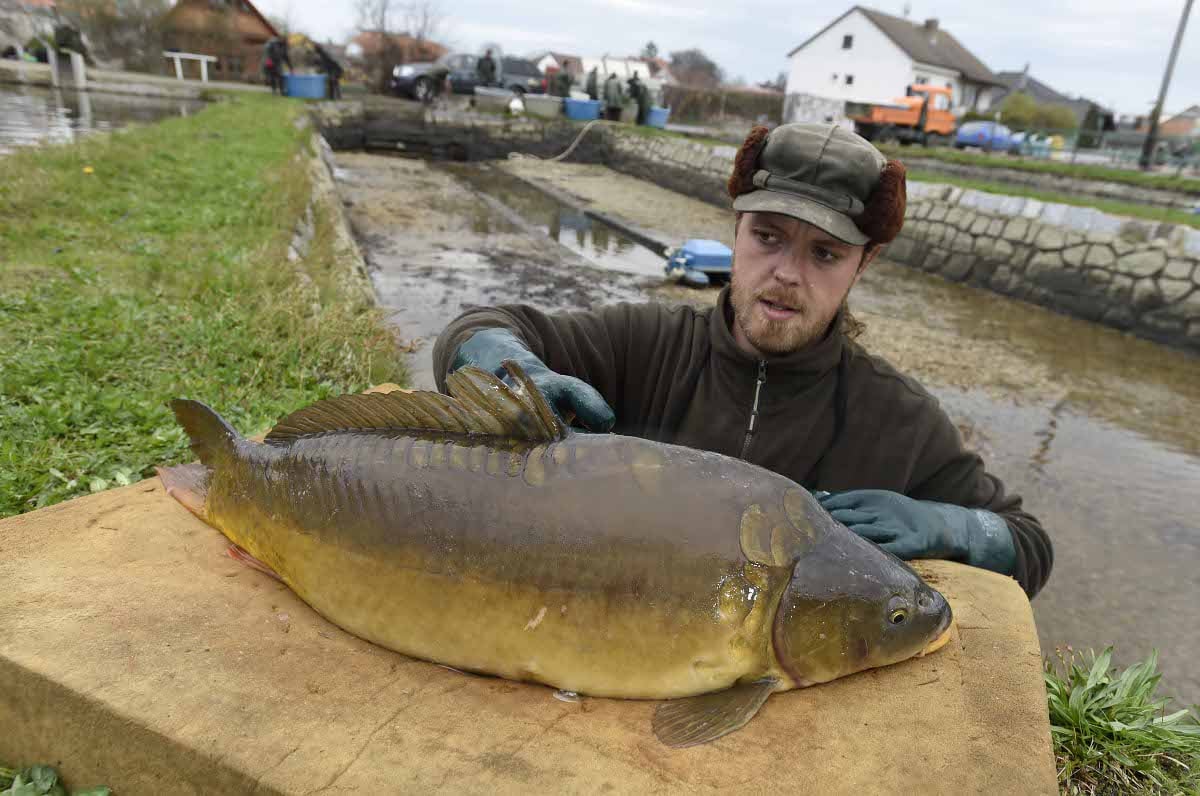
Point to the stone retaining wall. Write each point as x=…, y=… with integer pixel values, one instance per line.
x=1128, y=274
x=1118, y=191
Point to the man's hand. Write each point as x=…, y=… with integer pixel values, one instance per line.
x=910, y=528
x=488, y=348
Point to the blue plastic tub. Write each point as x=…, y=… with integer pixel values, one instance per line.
x=657, y=117
x=581, y=110
x=304, y=86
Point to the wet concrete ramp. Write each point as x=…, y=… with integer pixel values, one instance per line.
x=134, y=652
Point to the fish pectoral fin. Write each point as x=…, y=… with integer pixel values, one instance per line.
x=187, y=483
x=238, y=554
x=700, y=719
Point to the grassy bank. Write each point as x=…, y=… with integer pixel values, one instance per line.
x=152, y=264
x=1166, y=182
x=1112, y=732
x=1149, y=212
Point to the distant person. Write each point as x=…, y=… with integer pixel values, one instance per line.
x=486, y=69
x=10, y=53
x=562, y=80
x=614, y=98
x=333, y=72
x=593, y=84
x=641, y=95
x=275, y=55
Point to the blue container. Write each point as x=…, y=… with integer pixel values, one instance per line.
x=304, y=86
x=581, y=110
x=657, y=117
x=698, y=261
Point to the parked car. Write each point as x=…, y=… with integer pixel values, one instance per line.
x=521, y=76
x=986, y=135
x=422, y=79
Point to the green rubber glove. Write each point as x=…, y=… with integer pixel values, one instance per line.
x=910, y=528
x=488, y=348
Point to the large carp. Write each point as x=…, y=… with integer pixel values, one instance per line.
x=478, y=532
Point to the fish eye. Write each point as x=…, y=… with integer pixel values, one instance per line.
x=898, y=617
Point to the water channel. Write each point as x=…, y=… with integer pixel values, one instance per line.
x=32, y=115
x=1095, y=429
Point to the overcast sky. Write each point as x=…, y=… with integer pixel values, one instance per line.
x=1112, y=51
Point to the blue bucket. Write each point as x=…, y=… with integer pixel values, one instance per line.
x=581, y=110
x=304, y=86
x=657, y=117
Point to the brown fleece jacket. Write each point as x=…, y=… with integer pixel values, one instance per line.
x=832, y=417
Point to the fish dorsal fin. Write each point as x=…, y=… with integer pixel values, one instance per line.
x=479, y=406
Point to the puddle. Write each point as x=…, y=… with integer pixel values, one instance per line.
x=30, y=115
x=599, y=243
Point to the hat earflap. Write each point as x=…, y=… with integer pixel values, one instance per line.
x=745, y=164
x=884, y=214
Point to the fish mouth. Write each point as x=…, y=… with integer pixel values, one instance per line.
x=941, y=639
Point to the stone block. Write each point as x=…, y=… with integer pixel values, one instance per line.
x=937, y=233
x=955, y=217
x=1146, y=295
x=1074, y=255
x=1000, y=277
x=1120, y=288
x=957, y=266
x=981, y=272
x=921, y=210
x=1122, y=246
x=1146, y=262
x=1042, y=263
x=996, y=227
x=1098, y=276
x=962, y=243
x=938, y=212
x=1016, y=229
x=984, y=247
x=1120, y=317
x=980, y=225
x=901, y=250
x=1100, y=237
x=1032, y=209
x=1050, y=238
x=1179, y=269
x=1004, y=250
x=1174, y=289
x=1163, y=323
x=1099, y=256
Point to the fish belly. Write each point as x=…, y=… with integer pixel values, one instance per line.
x=565, y=564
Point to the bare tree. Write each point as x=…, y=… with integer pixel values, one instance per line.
x=424, y=19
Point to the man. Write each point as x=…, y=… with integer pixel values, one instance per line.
x=593, y=84
x=486, y=68
x=332, y=69
x=275, y=55
x=772, y=374
x=637, y=92
x=561, y=82
x=614, y=98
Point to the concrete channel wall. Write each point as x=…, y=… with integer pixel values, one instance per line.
x=1129, y=274
x=1056, y=183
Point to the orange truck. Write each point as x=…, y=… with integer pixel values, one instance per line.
x=922, y=116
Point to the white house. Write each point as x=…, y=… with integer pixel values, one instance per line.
x=868, y=56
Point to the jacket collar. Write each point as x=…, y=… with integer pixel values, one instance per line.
x=794, y=371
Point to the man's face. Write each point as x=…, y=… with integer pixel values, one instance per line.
x=789, y=279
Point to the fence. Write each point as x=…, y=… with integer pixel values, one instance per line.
x=717, y=105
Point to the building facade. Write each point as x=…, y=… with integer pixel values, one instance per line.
x=866, y=56
x=233, y=31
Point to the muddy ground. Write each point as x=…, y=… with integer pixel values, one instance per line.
x=1095, y=429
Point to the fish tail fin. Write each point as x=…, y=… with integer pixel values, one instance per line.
x=212, y=438
x=187, y=483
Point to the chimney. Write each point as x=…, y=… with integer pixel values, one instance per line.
x=931, y=27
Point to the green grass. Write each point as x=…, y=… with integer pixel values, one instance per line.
x=40, y=781
x=1112, y=734
x=163, y=273
x=1160, y=214
x=1168, y=182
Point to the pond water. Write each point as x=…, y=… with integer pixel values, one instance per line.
x=33, y=115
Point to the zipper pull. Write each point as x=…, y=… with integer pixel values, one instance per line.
x=762, y=379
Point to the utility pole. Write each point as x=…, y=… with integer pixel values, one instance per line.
x=1152, y=136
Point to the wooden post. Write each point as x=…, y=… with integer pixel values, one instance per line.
x=178, y=68
x=204, y=70
x=52, y=60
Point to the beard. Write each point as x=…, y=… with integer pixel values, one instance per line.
x=770, y=336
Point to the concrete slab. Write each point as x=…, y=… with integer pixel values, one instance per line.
x=133, y=652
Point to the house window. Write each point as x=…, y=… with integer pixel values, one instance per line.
x=921, y=80
x=847, y=42
x=849, y=80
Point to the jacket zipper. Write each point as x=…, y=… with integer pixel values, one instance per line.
x=762, y=379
